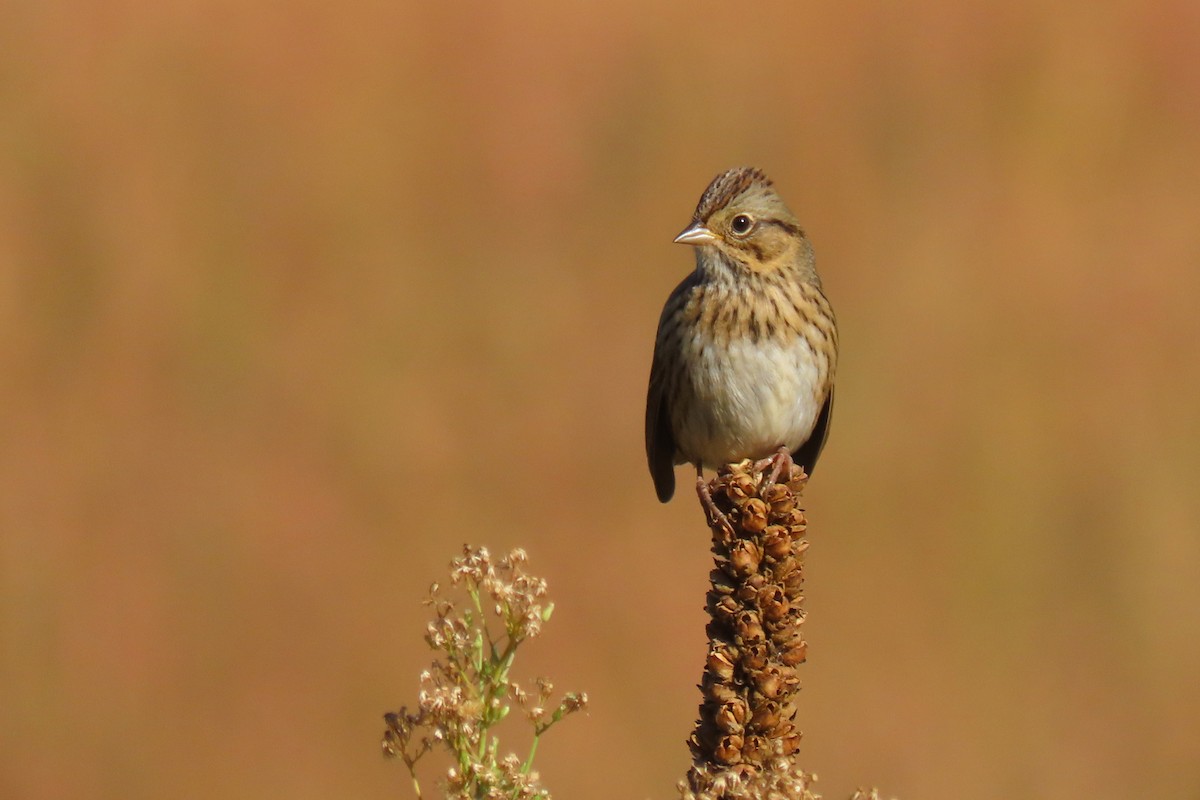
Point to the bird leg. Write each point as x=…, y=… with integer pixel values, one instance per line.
x=715, y=515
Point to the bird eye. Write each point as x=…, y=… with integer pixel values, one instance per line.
x=741, y=224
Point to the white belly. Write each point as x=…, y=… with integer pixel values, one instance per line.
x=749, y=398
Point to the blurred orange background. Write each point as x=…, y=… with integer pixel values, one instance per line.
x=297, y=297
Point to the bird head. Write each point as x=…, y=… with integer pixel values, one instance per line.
x=743, y=222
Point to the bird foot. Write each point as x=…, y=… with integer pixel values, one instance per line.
x=781, y=458
x=715, y=515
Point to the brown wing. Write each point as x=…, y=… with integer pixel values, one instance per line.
x=660, y=443
x=807, y=454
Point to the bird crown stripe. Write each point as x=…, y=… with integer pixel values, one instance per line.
x=726, y=186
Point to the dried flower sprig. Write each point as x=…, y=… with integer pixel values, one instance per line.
x=467, y=691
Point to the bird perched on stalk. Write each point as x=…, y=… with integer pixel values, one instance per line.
x=747, y=344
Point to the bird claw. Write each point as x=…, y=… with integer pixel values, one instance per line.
x=715, y=515
x=777, y=461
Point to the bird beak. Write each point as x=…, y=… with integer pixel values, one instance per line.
x=696, y=234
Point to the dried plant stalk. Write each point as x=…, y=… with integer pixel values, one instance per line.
x=745, y=741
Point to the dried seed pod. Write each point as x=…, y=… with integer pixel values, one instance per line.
x=719, y=664
x=756, y=749
x=795, y=653
x=787, y=636
x=748, y=629
x=766, y=717
x=768, y=682
x=753, y=517
x=773, y=603
x=787, y=631
x=731, y=717
x=748, y=591
x=784, y=728
x=740, y=487
x=720, y=693
x=785, y=567
x=779, y=498
x=744, y=557
x=792, y=520
x=793, y=583
x=724, y=609
x=776, y=542
x=754, y=656
x=721, y=582
x=729, y=749
x=773, y=680
x=796, y=479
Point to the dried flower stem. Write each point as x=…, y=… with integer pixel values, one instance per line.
x=745, y=740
